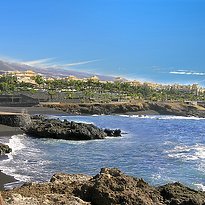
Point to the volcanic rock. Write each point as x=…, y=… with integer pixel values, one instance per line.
x=57, y=129
x=178, y=194
x=4, y=149
x=109, y=187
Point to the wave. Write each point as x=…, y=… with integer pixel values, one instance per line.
x=162, y=117
x=194, y=152
x=7, y=166
x=200, y=187
x=16, y=143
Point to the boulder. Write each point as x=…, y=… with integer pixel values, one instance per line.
x=4, y=149
x=113, y=133
x=111, y=187
x=178, y=194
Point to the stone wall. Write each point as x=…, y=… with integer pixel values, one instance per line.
x=18, y=101
x=15, y=120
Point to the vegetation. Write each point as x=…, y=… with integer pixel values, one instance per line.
x=96, y=91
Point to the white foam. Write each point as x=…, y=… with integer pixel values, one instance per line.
x=156, y=176
x=168, y=143
x=194, y=152
x=200, y=187
x=16, y=144
x=7, y=166
x=162, y=117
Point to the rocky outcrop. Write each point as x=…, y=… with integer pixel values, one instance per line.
x=4, y=149
x=113, y=133
x=162, y=108
x=178, y=194
x=179, y=109
x=57, y=129
x=98, y=108
x=109, y=187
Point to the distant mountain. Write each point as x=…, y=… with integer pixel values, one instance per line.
x=49, y=72
x=8, y=66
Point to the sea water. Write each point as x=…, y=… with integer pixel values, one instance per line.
x=159, y=149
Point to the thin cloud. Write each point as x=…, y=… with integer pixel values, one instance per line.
x=39, y=62
x=45, y=63
x=66, y=65
x=185, y=72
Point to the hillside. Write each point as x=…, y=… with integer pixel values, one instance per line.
x=49, y=72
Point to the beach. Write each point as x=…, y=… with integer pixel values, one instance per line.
x=33, y=110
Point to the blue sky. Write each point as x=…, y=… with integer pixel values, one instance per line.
x=154, y=40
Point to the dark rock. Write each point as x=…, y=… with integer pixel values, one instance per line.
x=113, y=133
x=178, y=194
x=55, y=128
x=4, y=149
x=111, y=187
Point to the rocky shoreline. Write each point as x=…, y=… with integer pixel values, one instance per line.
x=161, y=108
x=109, y=187
x=42, y=127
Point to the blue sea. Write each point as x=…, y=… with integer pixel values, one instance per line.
x=159, y=149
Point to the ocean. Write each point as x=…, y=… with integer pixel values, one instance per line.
x=159, y=149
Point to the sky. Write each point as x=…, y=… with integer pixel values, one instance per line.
x=149, y=40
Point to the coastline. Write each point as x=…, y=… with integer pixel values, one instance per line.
x=10, y=131
x=33, y=110
x=7, y=131
x=140, y=107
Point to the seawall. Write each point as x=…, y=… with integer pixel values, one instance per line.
x=14, y=119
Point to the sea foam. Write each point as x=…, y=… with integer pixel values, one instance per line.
x=185, y=152
x=163, y=117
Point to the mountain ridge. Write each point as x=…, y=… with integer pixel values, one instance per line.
x=50, y=72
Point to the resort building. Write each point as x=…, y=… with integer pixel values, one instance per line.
x=119, y=79
x=94, y=78
x=72, y=77
x=22, y=74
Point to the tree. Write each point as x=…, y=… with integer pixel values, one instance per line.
x=39, y=80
